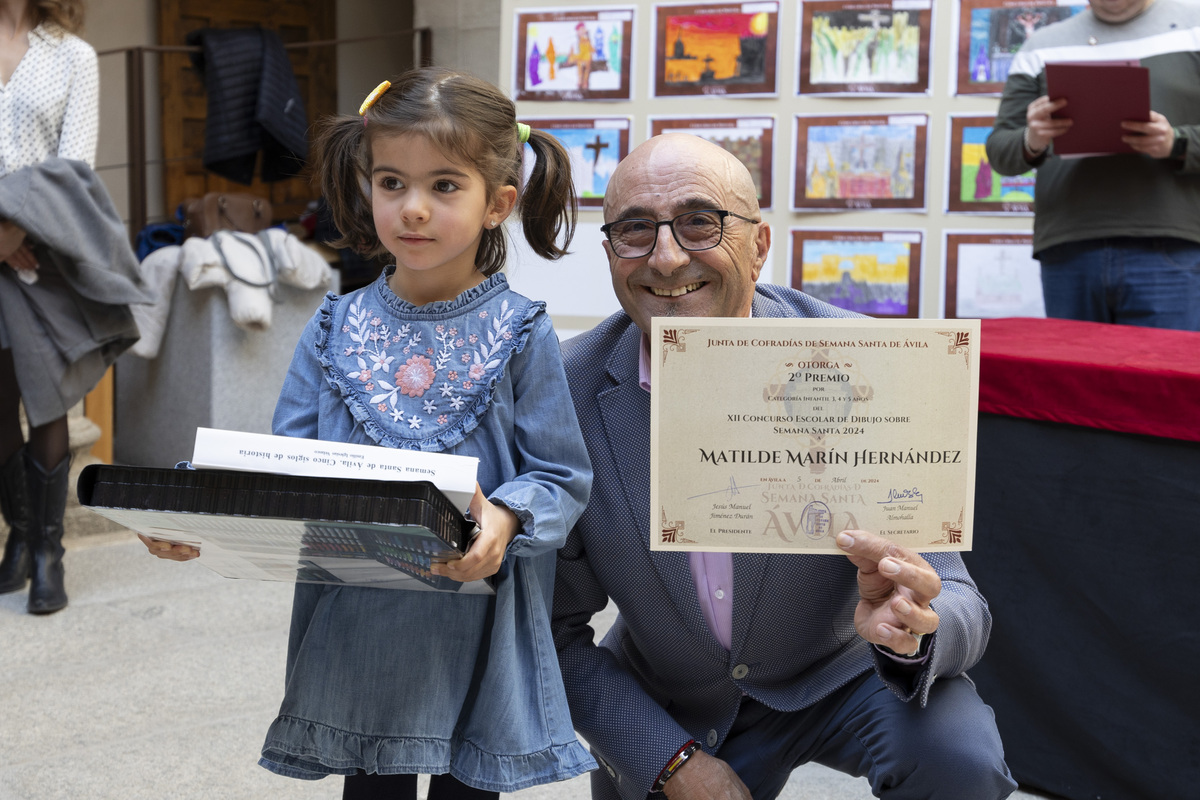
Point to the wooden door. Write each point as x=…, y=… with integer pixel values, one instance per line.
x=184, y=102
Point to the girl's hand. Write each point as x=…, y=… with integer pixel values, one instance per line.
x=497, y=527
x=169, y=551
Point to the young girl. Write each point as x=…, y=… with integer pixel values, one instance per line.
x=438, y=354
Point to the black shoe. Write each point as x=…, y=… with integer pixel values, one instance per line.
x=48, y=501
x=14, y=504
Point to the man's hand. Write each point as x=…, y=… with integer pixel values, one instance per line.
x=1155, y=138
x=497, y=527
x=1040, y=127
x=895, y=587
x=704, y=777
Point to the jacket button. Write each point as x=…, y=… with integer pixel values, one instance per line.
x=712, y=738
x=740, y=671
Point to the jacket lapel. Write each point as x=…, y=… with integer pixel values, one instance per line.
x=624, y=405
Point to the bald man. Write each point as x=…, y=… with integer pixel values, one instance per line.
x=724, y=672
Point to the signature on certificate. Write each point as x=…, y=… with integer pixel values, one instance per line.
x=903, y=495
x=731, y=490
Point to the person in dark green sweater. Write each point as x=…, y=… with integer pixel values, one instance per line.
x=1118, y=236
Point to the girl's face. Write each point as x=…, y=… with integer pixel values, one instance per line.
x=430, y=213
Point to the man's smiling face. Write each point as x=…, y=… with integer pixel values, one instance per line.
x=659, y=180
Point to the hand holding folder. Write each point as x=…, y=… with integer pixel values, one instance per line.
x=1100, y=96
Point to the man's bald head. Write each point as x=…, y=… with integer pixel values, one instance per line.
x=683, y=152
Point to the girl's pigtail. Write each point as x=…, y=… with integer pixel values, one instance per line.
x=339, y=167
x=548, y=206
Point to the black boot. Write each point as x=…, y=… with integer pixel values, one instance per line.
x=48, y=499
x=14, y=503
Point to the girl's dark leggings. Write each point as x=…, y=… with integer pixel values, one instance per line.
x=362, y=786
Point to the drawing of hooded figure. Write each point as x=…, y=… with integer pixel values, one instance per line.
x=983, y=180
x=534, y=62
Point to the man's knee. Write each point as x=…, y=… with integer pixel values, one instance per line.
x=954, y=752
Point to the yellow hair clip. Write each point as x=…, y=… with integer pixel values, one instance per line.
x=375, y=94
x=522, y=132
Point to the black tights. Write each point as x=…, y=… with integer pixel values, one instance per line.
x=49, y=444
x=362, y=786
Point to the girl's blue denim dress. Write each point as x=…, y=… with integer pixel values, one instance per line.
x=392, y=681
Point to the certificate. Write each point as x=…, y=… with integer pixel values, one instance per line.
x=773, y=435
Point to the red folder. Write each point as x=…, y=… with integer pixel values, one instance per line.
x=1099, y=97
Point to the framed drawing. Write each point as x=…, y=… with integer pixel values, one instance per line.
x=864, y=47
x=873, y=272
x=716, y=49
x=867, y=162
x=595, y=144
x=573, y=54
x=749, y=138
x=992, y=274
x=973, y=186
x=989, y=34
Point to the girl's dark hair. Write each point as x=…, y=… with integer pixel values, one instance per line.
x=67, y=14
x=471, y=121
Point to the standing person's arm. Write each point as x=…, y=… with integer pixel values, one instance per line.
x=81, y=121
x=1020, y=137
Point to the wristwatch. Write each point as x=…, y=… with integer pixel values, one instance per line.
x=1179, y=149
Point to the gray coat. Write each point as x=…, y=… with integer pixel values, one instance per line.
x=68, y=327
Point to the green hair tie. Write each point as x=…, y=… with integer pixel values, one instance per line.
x=522, y=132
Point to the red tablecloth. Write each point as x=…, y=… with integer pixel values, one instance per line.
x=1116, y=377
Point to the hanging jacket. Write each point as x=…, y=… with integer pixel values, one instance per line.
x=254, y=104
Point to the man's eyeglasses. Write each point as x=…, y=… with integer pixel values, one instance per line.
x=693, y=230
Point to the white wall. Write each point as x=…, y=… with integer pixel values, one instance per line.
x=466, y=34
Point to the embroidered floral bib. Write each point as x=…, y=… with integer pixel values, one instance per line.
x=421, y=377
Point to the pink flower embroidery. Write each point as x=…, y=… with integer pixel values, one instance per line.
x=476, y=371
x=458, y=343
x=442, y=419
x=466, y=358
x=452, y=375
x=483, y=315
x=382, y=406
x=415, y=376
x=473, y=338
x=370, y=387
x=365, y=375
x=440, y=328
x=466, y=384
x=428, y=351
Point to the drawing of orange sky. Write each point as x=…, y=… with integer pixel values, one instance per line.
x=715, y=35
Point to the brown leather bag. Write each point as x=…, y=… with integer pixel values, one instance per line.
x=220, y=211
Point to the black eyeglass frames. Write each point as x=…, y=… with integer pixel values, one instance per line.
x=693, y=230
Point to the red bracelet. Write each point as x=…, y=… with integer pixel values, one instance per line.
x=677, y=761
